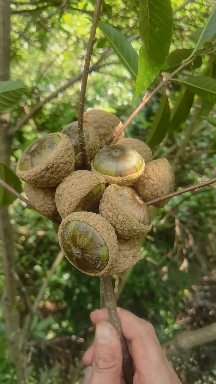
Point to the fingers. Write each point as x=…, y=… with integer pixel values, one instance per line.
x=88, y=356
x=149, y=359
x=107, y=361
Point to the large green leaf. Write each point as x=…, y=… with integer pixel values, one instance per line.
x=155, y=26
x=202, y=86
x=11, y=92
x=181, y=110
x=7, y=175
x=122, y=47
x=175, y=59
x=208, y=33
x=160, y=124
x=207, y=106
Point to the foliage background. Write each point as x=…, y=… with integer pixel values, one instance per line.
x=174, y=286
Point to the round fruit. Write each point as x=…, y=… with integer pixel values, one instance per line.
x=92, y=141
x=126, y=211
x=47, y=161
x=106, y=124
x=128, y=255
x=157, y=181
x=139, y=146
x=43, y=200
x=89, y=242
x=80, y=191
x=118, y=164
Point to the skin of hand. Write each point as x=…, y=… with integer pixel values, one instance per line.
x=105, y=354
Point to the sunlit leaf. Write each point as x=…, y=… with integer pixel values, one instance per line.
x=10, y=93
x=181, y=110
x=202, y=86
x=155, y=26
x=122, y=47
x=160, y=124
x=7, y=175
x=208, y=33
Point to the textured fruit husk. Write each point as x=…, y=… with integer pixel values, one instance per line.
x=129, y=254
x=92, y=145
x=139, y=146
x=106, y=124
x=42, y=199
x=158, y=180
x=116, y=213
x=74, y=188
x=121, y=180
x=106, y=231
x=58, y=165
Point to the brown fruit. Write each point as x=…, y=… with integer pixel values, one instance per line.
x=126, y=211
x=138, y=146
x=118, y=164
x=129, y=254
x=80, y=191
x=158, y=180
x=47, y=161
x=106, y=124
x=92, y=141
x=89, y=242
x=43, y=200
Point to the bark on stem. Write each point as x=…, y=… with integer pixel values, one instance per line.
x=110, y=305
x=84, y=82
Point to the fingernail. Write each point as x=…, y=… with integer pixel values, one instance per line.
x=103, y=333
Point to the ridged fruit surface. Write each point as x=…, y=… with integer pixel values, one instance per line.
x=126, y=211
x=158, y=180
x=129, y=254
x=139, y=146
x=92, y=141
x=47, y=161
x=80, y=191
x=89, y=242
x=118, y=164
x=106, y=124
x=42, y=199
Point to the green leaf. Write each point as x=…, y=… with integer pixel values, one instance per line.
x=10, y=93
x=122, y=47
x=181, y=110
x=202, y=86
x=211, y=119
x=155, y=26
x=160, y=124
x=175, y=59
x=7, y=175
x=45, y=323
x=208, y=33
x=207, y=106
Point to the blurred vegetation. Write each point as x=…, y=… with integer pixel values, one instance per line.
x=174, y=285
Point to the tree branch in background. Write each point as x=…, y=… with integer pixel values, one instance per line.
x=15, y=193
x=149, y=97
x=182, y=6
x=45, y=284
x=190, y=339
x=84, y=82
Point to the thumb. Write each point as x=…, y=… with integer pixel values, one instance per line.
x=107, y=363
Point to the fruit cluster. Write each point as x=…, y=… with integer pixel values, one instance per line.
x=102, y=212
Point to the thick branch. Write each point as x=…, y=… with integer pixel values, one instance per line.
x=190, y=339
x=84, y=81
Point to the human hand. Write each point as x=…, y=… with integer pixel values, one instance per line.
x=105, y=354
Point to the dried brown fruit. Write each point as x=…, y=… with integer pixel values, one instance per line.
x=126, y=211
x=138, y=146
x=47, y=161
x=118, y=164
x=106, y=124
x=89, y=242
x=43, y=200
x=82, y=190
x=158, y=180
x=92, y=141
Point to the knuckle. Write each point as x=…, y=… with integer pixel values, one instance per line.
x=105, y=362
x=148, y=327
